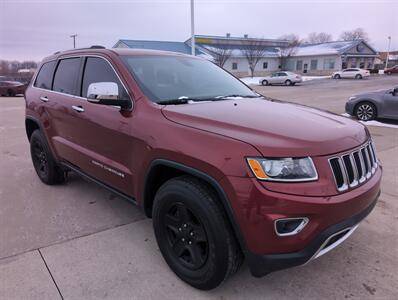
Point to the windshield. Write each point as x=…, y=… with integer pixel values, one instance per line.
x=163, y=78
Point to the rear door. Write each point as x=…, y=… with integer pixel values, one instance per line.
x=60, y=102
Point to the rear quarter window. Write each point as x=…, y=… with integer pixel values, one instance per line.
x=45, y=76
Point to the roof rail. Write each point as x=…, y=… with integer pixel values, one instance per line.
x=91, y=47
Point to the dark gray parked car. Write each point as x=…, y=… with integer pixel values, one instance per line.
x=379, y=104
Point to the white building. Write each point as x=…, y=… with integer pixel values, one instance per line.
x=312, y=59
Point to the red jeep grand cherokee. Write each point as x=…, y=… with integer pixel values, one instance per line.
x=224, y=173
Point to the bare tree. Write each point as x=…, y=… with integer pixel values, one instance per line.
x=254, y=51
x=221, y=54
x=317, y=38
x=285, y=52
x=355, y=34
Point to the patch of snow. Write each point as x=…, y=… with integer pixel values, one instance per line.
x=251, y=81
x=329, y=48
x=307, y=78
x=374, y=122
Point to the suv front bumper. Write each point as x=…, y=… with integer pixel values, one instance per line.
x=256, y=208
x=261, y=265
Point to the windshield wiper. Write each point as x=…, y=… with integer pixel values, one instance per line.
x=173, y=101
x=238, y=96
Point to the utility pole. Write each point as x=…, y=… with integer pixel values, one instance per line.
x=74, y=40
x=192, y=28
x=388, y=51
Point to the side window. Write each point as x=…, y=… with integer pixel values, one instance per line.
x=99, y=70
x=45, y=76
x=65, y=78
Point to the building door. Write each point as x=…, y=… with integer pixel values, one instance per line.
x=305, y=68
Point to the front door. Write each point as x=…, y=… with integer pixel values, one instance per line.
x=390, y=105
x=104, y=135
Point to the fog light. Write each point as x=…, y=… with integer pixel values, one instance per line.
x=290, y=226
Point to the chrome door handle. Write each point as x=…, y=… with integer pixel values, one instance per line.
x=44, y=98
x=78, y=108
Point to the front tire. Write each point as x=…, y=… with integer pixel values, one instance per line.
x=43, y=161
x=337, y=76
x=366, y=111
x=193, y=233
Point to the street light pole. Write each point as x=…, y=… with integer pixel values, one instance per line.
x=74, y=40
x=192, y=27
x=388, y=51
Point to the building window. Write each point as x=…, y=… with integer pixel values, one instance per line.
x=234, y=66
x=353, y=63
x=265, y=65
x=299, y=65
x=314, y=64
x=362, y=65
x=370, y=65
x=328, y=64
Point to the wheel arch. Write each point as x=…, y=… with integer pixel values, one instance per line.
x=161, y=170
x=31, y=124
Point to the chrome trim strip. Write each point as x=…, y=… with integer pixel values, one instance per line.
x=369, y=174
x=363, y=178
x=343, y=173
x=354, y=169
x=304, y=222
x=321, y=251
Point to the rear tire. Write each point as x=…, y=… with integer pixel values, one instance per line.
x=193, y=233
x=358, y=76
x=288, y=82
x=43, y=161
x=365, y=111
x=264, y=82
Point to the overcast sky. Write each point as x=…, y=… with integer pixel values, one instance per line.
x=34, y=29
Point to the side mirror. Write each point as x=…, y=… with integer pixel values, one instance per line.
x=106, y=93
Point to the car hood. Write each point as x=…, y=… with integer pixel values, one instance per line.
x=276, y=129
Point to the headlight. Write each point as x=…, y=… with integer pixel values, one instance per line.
x=283, y=169
x=352, y=98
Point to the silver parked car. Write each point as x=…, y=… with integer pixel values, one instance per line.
x=351, y=73
x=379, y=104
x=281, y=77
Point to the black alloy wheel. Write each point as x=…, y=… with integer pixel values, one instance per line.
x=44, y=163
x=39, y=158
x=194, y=234
x=186, y=236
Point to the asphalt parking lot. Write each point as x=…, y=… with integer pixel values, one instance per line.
x=78, y=241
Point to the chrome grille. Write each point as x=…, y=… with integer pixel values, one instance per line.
x=353, y=168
